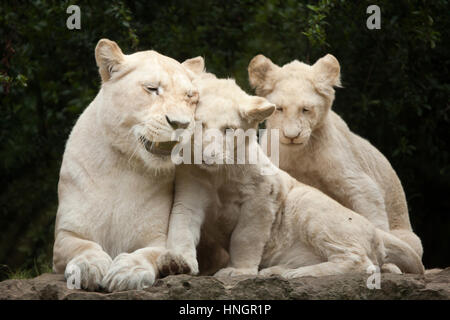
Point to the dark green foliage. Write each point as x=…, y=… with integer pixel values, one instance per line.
x=396, y=89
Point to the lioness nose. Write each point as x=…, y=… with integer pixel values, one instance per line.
x=291, y=134
x=177, y=124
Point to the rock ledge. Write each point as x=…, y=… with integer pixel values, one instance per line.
x=433, y=285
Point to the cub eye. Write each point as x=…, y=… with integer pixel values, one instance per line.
x=154, y=90
x=305, y=110
x=280, y=108
x=192, y=96
x=191, y=93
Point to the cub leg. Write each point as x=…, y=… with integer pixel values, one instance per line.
x=410, y=238
x=325, y=269
x=183, y=237
x=133, y=271
x=390, y=268
x=363, y=196
x=185, y=223
x=79, y=257
x=249, y=238
x=332, y=267
x=275, y=270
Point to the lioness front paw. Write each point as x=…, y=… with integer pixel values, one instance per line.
x=172, y=263
x=129, y=272
x=87, y=270
x=233, y=272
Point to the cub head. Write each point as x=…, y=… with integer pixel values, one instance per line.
x=144, y=98
x=303, y=94
x=225, y=111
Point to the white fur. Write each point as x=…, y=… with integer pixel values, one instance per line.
x=318, y=149
x=270, y=224
x=114, y=195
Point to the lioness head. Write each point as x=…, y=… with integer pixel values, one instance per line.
x=303, y=94
x=224, y=108
x=144, y=97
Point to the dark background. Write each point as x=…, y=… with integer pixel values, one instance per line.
x=396, y=91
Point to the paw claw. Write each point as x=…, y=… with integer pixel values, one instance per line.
x=128, y=272
x=87, y=270
x=171, y=263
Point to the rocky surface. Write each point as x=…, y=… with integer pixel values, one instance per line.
x=434, y=285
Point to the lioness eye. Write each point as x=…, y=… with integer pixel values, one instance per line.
x=152, y=89
x=280, y=108
x=305, y=110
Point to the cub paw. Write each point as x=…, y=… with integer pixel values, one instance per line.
x=129, y=272
x=390, y=268
x=233, y=272
x=267, y=272
x=299, y=273
x=291, y=274
x=171, y=263
x=87, y=270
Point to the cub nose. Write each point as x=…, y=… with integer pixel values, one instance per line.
x=177, y=124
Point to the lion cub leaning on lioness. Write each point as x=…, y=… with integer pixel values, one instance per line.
x=317, y=147
x=270, y=224
x=116, y=182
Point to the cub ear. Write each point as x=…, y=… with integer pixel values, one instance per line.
x=195, y=65
x=108, y=57
x=327, y=74
x=259, y=110
x=260, y=73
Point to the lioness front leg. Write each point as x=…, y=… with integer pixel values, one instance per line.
x=77, y=257
x=249, y=238
x=133, y=271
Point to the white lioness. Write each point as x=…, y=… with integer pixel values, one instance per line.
x=116, y=181
x=271, y=224
x=317, y=147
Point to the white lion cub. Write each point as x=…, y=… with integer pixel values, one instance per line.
x=317, y=147
x=116, y=180
x=270, y=224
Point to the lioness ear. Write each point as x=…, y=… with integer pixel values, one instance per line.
x=260, y=74
x=327, y=74
x=195, y=65
x=109, y=57
x=259, y=110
